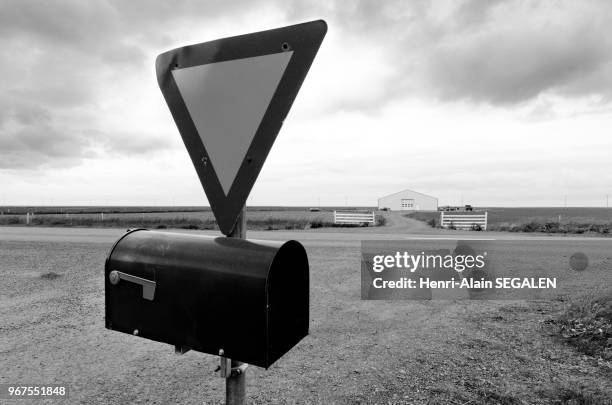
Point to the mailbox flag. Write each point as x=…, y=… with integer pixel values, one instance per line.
x=229, y=98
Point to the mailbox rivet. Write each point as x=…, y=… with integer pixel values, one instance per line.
x=113, y=277
x=135, y=332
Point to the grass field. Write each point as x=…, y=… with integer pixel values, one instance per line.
x=498, y=216
x=536, y=219
x=260, y=218
x=97, y=209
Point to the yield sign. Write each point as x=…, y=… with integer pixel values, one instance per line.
x=229, y=99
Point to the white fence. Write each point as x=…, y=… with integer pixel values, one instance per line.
x=354, y=218
x=463, y=221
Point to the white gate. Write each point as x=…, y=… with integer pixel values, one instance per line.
x=463, y=221
x=356, y=218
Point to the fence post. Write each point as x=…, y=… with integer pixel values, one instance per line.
x=486, y=220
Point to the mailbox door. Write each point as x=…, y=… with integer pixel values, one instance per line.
x=288, y=295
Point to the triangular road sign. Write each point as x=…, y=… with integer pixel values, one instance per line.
x=229, y=98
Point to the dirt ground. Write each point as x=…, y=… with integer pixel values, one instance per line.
x=380, y=352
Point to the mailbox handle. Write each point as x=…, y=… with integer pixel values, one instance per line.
x=148, y=286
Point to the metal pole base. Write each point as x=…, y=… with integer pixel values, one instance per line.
x=235, y=386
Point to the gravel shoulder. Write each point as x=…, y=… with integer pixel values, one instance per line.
x=399, y=352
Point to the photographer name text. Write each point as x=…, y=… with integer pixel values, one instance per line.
x=468, y=283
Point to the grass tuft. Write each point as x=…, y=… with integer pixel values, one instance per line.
x=586, y=324
x=578, y=228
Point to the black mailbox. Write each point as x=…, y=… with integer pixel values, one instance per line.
x=249, y=298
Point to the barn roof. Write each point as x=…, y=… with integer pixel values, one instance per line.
x=412, y=191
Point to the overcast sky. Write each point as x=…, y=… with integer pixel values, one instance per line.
x=503, y=103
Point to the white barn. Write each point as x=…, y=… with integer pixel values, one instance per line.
x=408, y=200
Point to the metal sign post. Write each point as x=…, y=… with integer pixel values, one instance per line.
x=235, y=381
x=229, y=98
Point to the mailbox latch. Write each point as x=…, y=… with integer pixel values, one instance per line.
x=148, y=286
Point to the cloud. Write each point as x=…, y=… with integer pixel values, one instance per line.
x=65, y=65
x=521, y=51
x=28, y=138
x=61, y=62
x=41, y=146
x=95, y=27
x=130, y=143
x=502, y=52
x=31, y=138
